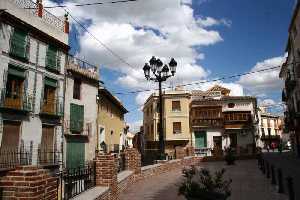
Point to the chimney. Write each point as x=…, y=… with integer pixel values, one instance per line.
x=66, y=24
x=40, y=8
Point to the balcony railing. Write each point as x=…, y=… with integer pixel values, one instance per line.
x=16, y=101
x=52, y=107
x=31, y=7
x=208, y=122
x=82, y=67
x=289, y=84
x=49, y=156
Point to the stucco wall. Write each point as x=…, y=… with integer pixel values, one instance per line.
x=31, y=126
x=114, y=122
x=88, y=96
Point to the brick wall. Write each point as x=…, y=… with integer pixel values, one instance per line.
x=106, y=172
x=28, y=182
x=180, y=152
x=133, y=160
x=190, y=151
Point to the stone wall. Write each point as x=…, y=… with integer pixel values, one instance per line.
x=28, y=182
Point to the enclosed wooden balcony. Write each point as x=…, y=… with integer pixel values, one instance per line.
x=15, y=100
x=52, y=107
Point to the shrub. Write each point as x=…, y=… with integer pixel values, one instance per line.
x=201, y=184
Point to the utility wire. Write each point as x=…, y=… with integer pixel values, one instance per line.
x=100, y=42
x=201, y=82
x=92, y=4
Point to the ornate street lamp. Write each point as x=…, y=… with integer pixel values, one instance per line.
x=160, y=73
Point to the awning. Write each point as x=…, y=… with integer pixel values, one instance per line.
x=15, y=71
x=50, y=82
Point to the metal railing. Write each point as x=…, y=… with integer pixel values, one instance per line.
x=82, y=67
x=16, y=101
x=202, y=151
x=77, y=180
x=49, y=156
x=121, y=162
x=31, y=7
x=52, y=107
x=13, y=157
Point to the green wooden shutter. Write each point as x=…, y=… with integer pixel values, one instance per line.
x=75, y=154
x=76, y=117
x=51, y=58
x=18, y=44
x=200, y=139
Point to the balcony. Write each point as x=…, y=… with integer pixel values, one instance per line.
x=208, y=123
x=289, y=84
x=52, y=107
x=31, y=8
x=16, y=101
x=82, y=67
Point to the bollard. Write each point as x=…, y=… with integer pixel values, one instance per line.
x=290, y=187
x=268, y=169
x=263, y=167
x=273, y=180
x=280, y=181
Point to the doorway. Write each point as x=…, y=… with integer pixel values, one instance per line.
x=200, y=139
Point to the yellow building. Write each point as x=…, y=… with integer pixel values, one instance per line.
x=175, y=117
x=111, y=124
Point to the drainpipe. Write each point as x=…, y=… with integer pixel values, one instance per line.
x=64, y=108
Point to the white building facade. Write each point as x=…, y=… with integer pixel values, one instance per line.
x=33, y=53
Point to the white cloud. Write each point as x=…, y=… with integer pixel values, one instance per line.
x=263, y=82
x=266, y=102
x=209, y=21
x=134, y=127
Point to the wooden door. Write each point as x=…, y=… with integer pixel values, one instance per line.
x=11, y=135
x=75, y=153
x=49, y=100
x=217, y=145
x=46, y=151
x=10, y=144
x=200, y=139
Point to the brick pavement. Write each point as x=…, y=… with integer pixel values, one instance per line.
x=248, y=184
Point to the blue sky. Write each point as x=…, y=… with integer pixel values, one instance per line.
x=215, y=38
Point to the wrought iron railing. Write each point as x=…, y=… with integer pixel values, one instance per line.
x=121, y=162
x=77, y=180
x=52, y=107
x=202, y=151
x=49, y=156
x=82, y=67
x=16, y=101
x=11, y=157
x=31, y=7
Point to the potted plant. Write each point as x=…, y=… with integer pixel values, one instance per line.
x=201, y=184
x=229, y=156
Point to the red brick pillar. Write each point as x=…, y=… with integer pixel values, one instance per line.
x=190, y=151
x=133, y=160
x=40, y=8
x=106, y=172
x=28, y=182
x=179, y=152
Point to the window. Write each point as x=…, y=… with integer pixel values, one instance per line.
x=76, y=89
x=176, y=106
x=76, y=117
x=49, y=102
x=52, y=58
x=158, y=128
x=176, y=127
x=19, y=44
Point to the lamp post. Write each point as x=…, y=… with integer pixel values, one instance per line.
x=160, y=73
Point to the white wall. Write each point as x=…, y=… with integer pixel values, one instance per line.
x=31, y=126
